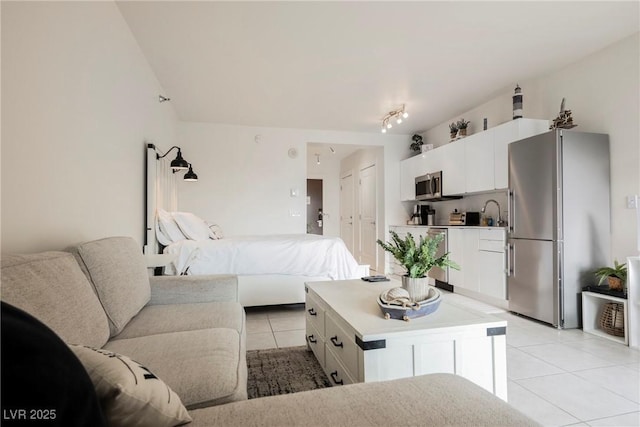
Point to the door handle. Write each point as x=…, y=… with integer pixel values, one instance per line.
x=312, y=312
x=510, y=213
x=510, y=251
x=312, y=339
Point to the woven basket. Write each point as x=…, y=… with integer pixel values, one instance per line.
x=612, y=319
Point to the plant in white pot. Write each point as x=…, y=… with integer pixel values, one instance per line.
x=417, y=258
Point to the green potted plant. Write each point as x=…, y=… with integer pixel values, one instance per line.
x=462, y=125
x=616, y=275
x=453, y=130
x=417, y=259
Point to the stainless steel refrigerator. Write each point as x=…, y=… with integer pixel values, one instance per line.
x=559, y=223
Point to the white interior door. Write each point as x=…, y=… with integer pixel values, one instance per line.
x=346, y=212
x=368, y=217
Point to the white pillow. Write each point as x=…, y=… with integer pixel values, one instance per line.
x=168, y=227
x=129, y=393
x=162, y=239
x=192, y=226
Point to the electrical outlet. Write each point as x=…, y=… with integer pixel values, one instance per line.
x=632, y=202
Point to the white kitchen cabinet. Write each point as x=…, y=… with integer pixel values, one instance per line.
x=451, y=161
x=491, y=276
x=408, y=172
x=504, y=135
x=470, y=259
x=479, y=162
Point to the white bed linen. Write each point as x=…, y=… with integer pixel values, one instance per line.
x=291, y=254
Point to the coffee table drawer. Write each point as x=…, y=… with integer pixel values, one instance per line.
x=342, y=344
x=315, y=315
x=316, y=343
x=337, y=373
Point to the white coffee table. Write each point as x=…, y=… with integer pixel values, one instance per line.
x=354, y=342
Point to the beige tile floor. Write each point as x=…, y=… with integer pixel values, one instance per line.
x=557, y=377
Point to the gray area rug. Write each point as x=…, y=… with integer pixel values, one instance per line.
x=283, y=370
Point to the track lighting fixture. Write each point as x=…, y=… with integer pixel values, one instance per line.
x=398, y=115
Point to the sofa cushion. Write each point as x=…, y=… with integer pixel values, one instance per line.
x=129, y=393
x=117, y=269
x=204, y=367
x=160, y=319
x=51, y=287
x=427, y=400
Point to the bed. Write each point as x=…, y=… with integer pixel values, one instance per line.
x=271, y=269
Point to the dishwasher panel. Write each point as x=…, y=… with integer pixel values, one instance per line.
x=439, y=274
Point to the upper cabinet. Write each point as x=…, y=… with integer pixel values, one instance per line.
x=473, y=164
x=479, y=162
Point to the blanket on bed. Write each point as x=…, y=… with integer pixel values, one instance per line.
x=292, y=254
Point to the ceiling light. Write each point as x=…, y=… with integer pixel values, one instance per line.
x=398, y=115
x=317, y=159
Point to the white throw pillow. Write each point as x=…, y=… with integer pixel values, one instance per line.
x=215, y=231
x=168, y=227
x=192, y=225
x=130, y=394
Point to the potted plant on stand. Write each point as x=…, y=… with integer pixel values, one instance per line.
x=417, y=259
x=616, y=275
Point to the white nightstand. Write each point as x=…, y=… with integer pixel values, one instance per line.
x=158, y=260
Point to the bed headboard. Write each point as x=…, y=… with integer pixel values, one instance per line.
x=161, y=192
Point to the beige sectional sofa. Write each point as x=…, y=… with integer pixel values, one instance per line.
x=190, y=332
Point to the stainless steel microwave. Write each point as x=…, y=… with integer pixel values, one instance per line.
x=429, y=187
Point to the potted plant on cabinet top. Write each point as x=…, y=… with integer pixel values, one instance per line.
x=417, y=259
x=453, y=130
x=416, y=145
x=616, y=275
x=462, y=127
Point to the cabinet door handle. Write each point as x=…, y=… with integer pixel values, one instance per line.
x=312, y=339
x=334, y=377
x=335, y=342
x=312, y=312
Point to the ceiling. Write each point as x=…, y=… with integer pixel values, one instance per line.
x=344, y=65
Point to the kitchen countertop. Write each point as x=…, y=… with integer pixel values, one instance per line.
x=495, y=227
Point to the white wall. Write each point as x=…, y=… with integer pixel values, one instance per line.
x=603, y=93
x=78, y=102
x=245, y=186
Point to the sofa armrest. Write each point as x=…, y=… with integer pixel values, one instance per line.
x=190, y=289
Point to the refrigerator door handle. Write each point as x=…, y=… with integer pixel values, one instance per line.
x=510, y=208
x=510, y=251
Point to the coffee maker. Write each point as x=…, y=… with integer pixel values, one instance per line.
x=427, y=215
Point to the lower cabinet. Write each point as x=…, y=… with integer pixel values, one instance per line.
x=480, y=253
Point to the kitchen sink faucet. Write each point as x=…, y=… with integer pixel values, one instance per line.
x=500, y=222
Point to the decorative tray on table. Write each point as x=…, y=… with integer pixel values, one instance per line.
x=396, y=304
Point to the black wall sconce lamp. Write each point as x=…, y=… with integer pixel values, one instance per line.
x=179, y=164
